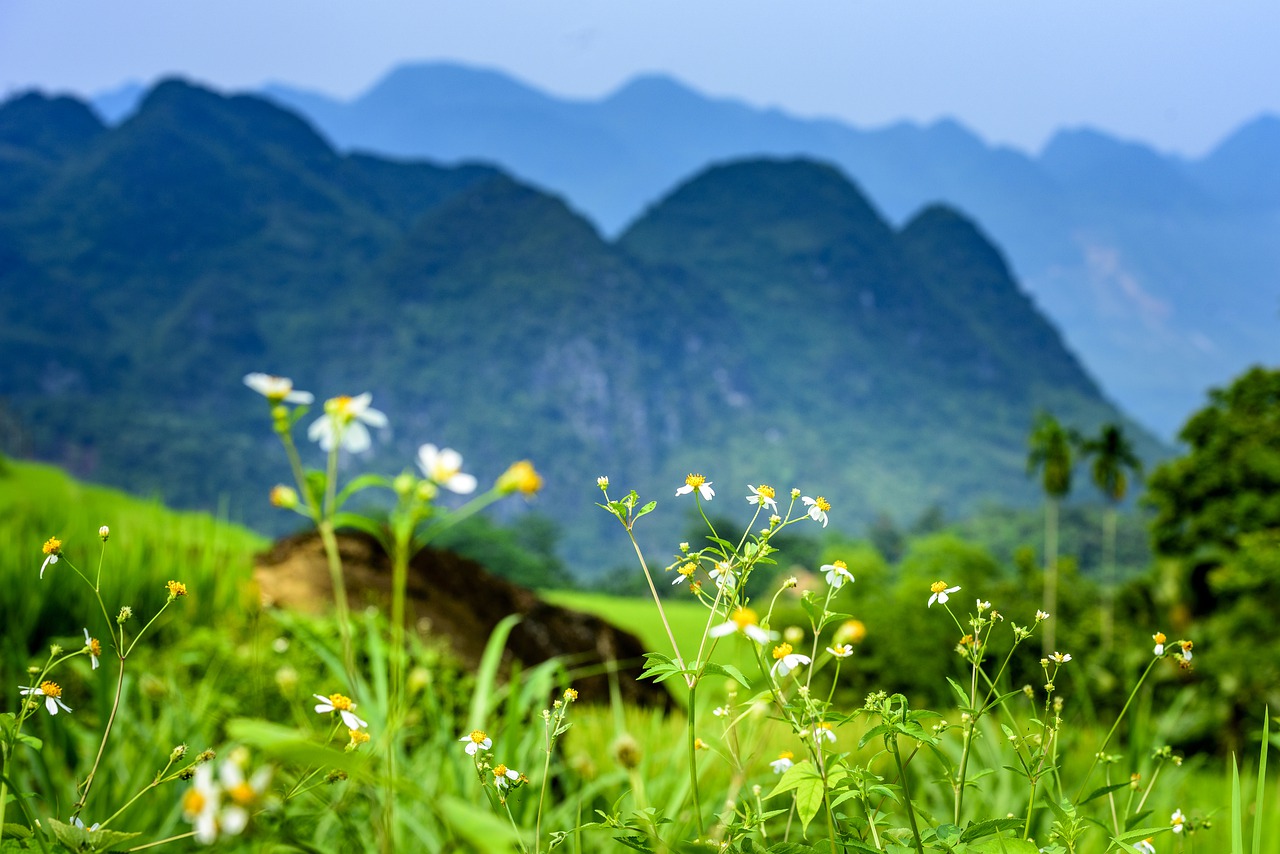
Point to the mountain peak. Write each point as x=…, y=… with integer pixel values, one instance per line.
x=435, y=84
x=47, y=125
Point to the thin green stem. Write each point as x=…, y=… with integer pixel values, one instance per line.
x=1098, y=754
x=891, y=742
x=102, y=747
x=693, y=758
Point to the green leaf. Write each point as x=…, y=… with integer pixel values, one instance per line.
x=881, y=729
x=948, y=834
x=359, y=484
x=30, y=741
x=792, y=777
x=978, y=829
x=483, y=831
x=795, y=848
x=292, y=745
x=1259, y=806
x=355, y=521
x=809, y=794
x=728, y=670
x=1002, y=845
x=647, y=509
x=81, y=839
x=1104, y=790
x=960, y=692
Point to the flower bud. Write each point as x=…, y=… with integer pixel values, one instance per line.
x=521, y=477
x=125, y=614
x=626, y=750
x=104, y=532
x=404, y=484
x=284, y=496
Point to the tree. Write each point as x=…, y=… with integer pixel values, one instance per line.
x=1052, y=454
x=1228, y=483
x=1112, y=458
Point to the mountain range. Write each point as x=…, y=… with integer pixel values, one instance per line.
x=1162, y=272
x=762, y=322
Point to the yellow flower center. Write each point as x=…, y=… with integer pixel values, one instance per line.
x=781, y=651
x=193, y=802
x=95, y=648
x=695, y=480
x=746, y=617
x=499, y=770
x=340, y=409
x=278, y=388
x=177, y=588
x=687, y=570
x=786, y=754
x=966, y=640
x=938, y=586
x=1186, y=646
x=242, y=793
x=478, y=736
x=571, y=693
x=822, y=504
x=823, y=726
x=1159, y=637
x=839, y=564
x=766, y=491
x=52, y=546
x=842, y=649
x=51, y=689
x=341, y=703
x=358, y=736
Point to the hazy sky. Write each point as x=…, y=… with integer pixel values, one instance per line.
x=1179, y=74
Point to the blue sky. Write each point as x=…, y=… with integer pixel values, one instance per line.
x=1178, y=74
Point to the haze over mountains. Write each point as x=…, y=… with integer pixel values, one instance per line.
x=1163, y=273
x=762, y=322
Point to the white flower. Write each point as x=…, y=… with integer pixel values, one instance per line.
x=1145, y=846
x=700, y=483
x=504, y=776
x=52, y=694
x=684, y=573
x=1178, y=820
x=823, y=732
x=241, y=795
x=343, y=421
x=764, y=495
x=982, y=606
x=80, y=824
x=277, y=389
x=476, y=741
x=841, y=650
x=784, y=761
x=1041, y=616
x=50, y=560
x=52, y=548
x=941, y=592
x=95, y=648
x=786, y=660
x=1060, y=657
x=837, y=574
x=343, y=706
x=818, y=508
x=444, y=466
x=200, y=804
x=743, y=620
x=1159, y=638
x=723, y=576
x=1186, y=649
x=720, y=712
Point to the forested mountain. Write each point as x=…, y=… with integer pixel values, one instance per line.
x=762, y=323
x=1163, y=273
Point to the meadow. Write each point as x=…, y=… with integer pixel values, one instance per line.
x=847, y=707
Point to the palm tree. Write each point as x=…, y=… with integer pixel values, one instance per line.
x=1052, y=455
x=1113, y=457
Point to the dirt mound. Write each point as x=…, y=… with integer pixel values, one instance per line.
x=457, y=599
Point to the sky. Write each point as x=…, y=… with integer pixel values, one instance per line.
x=1177, y=74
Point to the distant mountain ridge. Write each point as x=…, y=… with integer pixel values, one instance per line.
x=762, y=322
x=1163, y=273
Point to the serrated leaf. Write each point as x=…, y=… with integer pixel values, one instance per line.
x=948, y=834
x=730, y=671
x=82, y=839
x=878, y=730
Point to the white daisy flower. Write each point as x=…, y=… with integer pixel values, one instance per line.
x=343, y=706
x=785, y=660
x=684, y=573
x=200, y=804
x=823, y=732
x=444, y=466
x=94, y=647
x=841, y=650
x=241, y=795
x=723, y=576
x=1060, y=657
x=837, y=574
x=343, y=422
x=504, y=776
x=764, y=495
x=277, y=389
x=818, y=508
x=1145, y=846
x=476, y=741
x=52, y=694
x=52, y=548
x=1178, y=820
x=80, y=824
x=742, y=620
x=941, y=592
x=1159, y=638
x=784, y=761
x=700, y=483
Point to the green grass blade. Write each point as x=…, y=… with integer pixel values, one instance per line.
x=487, y=674
x=1262, y=782
x=1237, y=820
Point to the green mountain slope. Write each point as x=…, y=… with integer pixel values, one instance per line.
x=763, y=323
